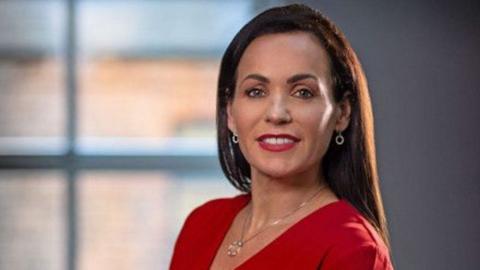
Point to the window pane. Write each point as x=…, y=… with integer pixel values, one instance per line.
x=148, y=72
x=148, y=98
x=130, y=220
x=32, y=220
x=31, y=77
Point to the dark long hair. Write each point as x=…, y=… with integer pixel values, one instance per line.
x=350, y=169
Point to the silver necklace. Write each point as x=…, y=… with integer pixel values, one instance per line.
x=235, y=247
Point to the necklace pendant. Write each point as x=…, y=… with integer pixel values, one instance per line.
x=234, y=248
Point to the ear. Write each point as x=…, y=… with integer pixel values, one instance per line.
x=230, y=121
x=344, y=108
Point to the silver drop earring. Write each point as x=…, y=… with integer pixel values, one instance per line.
x=235, y=138
x=339, y=139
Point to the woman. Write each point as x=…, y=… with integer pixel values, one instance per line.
x=295, y=134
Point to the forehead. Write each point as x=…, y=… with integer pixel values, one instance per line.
x=284, y=54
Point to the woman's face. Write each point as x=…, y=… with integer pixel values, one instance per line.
x=283, y=110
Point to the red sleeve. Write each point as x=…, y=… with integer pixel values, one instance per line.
x=185, y=237
x=367, y=257
x=199, y=227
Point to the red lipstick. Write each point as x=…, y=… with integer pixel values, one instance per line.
x=277, y=142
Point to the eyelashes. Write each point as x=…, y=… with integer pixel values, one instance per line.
x=306, y=94
x=303, y=93
x=255, y=92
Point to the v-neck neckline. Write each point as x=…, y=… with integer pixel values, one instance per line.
x=245, y=199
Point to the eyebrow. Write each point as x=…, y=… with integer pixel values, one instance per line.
x=293, y=79
x=299, y=77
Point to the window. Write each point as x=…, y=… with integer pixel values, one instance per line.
x=107, y=125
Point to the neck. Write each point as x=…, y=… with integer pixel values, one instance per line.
x=273, y=198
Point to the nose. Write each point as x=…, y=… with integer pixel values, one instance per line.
x=278, y=112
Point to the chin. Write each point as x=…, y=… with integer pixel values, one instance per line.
x=276, y=172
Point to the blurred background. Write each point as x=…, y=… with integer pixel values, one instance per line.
x=107, y=126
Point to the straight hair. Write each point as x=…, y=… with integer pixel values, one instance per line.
x=350, y=169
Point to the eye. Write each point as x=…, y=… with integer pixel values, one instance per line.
x=255, y=92
x=303, y=93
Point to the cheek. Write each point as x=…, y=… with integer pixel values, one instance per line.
x=318, y=123
x=246, y=118
x=317, y=117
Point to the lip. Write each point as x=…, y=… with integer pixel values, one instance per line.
x=283, y=135
x=277, y=147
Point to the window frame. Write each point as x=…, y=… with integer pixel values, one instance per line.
x=72, y=161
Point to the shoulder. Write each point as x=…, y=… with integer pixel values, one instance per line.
x=350, y=228
x=210, y=210
x=210, y=216
x=203, y=224
x=353, y=242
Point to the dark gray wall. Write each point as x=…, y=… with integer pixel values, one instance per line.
x=423, y=65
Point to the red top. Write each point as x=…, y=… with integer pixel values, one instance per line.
x=335, y=236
